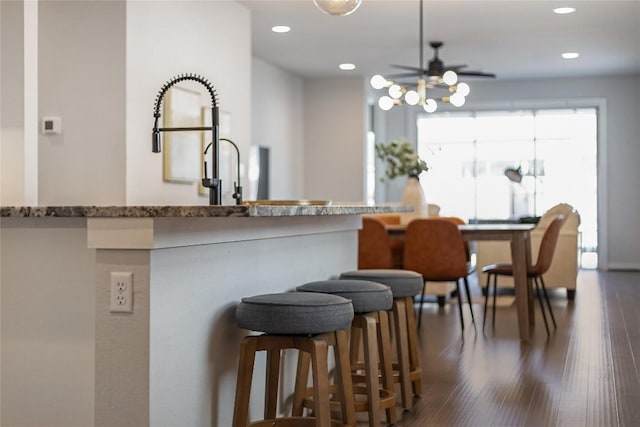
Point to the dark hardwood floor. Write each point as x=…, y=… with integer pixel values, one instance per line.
x=586, y=374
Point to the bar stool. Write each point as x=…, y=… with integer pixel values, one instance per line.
x=370, y=325
x=405, y=285
x=305, y=321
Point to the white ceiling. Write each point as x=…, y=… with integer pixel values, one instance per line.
x=514, y=39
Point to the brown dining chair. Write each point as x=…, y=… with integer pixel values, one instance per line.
x=435, y=248
x=459, y=221
x=375, y=249
x=388, y=219
x=536, y=271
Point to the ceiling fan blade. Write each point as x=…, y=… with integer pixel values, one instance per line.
x=406, y=67
x=455, y=67
x=476, y=74
x=403, y=75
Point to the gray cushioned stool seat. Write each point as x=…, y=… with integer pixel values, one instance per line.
x=403, y=283
x=294, y=313
x=366, y=296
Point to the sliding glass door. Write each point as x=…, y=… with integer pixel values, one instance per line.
x=553, y=150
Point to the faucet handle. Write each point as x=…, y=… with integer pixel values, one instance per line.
x=237, y=193
x=211, y=182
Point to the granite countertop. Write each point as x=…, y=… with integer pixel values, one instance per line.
x=196, y=211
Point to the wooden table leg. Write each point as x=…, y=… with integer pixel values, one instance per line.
x=519, y=260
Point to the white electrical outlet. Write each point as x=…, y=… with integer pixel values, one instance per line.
x=121, y=292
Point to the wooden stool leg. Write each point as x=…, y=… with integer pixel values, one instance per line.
x=370, y=339
x=243, y=385
x=402, y=343
x=355, y=347
x=271, y=383
x=414, y=353
x=384, y=339
x=302, y=378
x=320, y=370
x=343, y=377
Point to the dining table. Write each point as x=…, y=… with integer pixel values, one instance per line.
x=519, y=236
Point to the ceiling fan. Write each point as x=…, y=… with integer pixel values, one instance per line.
x=434, y=75
x=436, y=68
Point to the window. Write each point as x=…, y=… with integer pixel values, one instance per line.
x=554, y=149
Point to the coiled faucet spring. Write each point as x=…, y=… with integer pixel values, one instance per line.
x=214, y=184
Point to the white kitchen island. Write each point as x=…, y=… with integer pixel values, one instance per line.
x=67, y=360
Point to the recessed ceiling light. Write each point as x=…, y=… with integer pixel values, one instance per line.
x=570, y=55
x=564, y=10
x=281, y=29
x=347, y=67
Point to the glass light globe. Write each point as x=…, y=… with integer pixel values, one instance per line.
x=411, y=97
x=378, y=82
x=338, y=7
x=430, y=105
x=395, y=91
x=385, y=103
x=457, y=100
x=463, y=89
x=450, y=77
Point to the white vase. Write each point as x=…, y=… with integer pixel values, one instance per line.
x=413, y=195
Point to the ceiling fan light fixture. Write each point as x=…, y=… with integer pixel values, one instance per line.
x=412, y=97
x=378, y=82
x=338, y=7
x=395, y=91
x=450, y=77
x=385, y=103
x=463, y=89
x=430, y=105
x=432, y=76
x=457, y=100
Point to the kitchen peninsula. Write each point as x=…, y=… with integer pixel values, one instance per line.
x=67, y=359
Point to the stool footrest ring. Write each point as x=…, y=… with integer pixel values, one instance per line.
x=387, y=399
x=293, y=422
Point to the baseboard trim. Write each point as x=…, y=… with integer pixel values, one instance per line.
x=624, y=266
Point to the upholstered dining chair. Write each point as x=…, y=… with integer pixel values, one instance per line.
x=375, y=249
x=459, y=221
x=435, y=248
x=389, y=219
x=536, y=271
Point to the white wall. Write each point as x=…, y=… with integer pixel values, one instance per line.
x=165, y=39
x=277, y=122
x=11, y=103
x=100, y=65
x=618, y=150
x=81, y=78
x=335, y=136
x=48, y=318
x=316, y=129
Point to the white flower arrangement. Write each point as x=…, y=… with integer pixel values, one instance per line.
x=400, y=159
